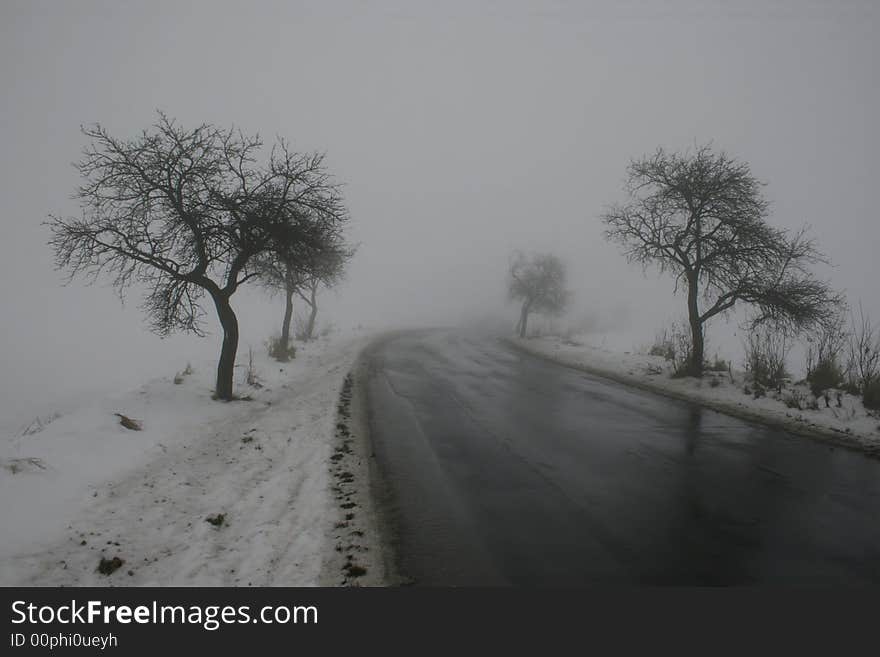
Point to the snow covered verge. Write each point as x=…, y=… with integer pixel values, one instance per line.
x=206, y=493
x=844, y=422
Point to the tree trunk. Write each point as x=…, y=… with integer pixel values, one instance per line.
x=226, y=367
x=524, y=319
x=284, y=340
x=310, y=328
x=695, y=364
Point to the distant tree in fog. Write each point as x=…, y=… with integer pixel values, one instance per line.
x=187, y=212
x=325, y=270
x=701, y=216
x=538, y=282
x=300, y=269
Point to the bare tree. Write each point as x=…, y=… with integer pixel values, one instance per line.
x=863, y=366
x=701, y=216
x=185, y=212
x=539, y=283
x=317, y=260
x=281, y=276
x=324, y=269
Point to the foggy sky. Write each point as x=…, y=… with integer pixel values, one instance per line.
x=461, y=130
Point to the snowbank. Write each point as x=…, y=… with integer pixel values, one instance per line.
x=848, y=423
x=81, y=487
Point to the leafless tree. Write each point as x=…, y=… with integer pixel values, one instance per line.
x=326, y=269
x=281, y=276
x=184, y=213
x=701, y=216
x=538, y=281
x=863, y=365
x=317, y=260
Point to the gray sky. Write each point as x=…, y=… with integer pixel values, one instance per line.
x=462, y=131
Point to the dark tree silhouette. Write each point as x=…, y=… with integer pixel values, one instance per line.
x=701, y=216
x=186, y=212
x=538, y=282
x=301, y=268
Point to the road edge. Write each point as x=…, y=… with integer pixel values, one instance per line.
x=830, y=436
x=360, y=535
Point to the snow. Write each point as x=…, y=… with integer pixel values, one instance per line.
x=850, y=424
x=79, y=487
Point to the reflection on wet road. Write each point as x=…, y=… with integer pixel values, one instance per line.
x=500, y=468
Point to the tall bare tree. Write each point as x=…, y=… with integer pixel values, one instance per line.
x=538, y=282
x=186, y=212
x=701, y=216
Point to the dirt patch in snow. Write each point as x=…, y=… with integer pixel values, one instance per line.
x=359, y=555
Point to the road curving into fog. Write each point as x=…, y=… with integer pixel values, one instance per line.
x=494, y=467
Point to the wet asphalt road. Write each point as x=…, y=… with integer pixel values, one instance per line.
x=499, y=468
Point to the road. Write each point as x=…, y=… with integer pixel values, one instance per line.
x=499, y=468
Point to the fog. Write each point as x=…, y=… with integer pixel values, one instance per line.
x=462, y=131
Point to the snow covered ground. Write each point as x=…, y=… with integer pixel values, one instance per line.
x=81, y=487
x=848, y=424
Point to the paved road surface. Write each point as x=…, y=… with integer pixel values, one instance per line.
x=500, y=468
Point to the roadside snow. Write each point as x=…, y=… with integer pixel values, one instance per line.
x=79, y=487
x=848, y=424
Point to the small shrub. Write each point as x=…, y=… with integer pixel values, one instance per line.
x=674, y=344
x=871, y=395
x=766, y=350
x=665, y=343
x=717, y=365
x=279, y=351
x=714, y=382
x=252, y=379
x=823, y=357
x=794, y=399
x=824, y=375
x=665, y=351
